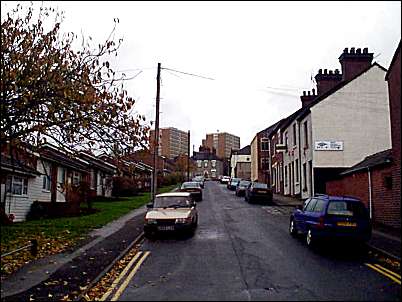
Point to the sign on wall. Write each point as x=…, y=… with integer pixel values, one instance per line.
x=328, y=146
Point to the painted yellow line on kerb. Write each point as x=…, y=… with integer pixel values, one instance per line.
x=122, y=274
x=130, y=276
x=384, y=273
x=388, y=271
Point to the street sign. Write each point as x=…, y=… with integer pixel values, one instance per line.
x=328, y=146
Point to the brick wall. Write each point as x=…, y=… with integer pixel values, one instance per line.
x=394, y=89
x=386, y=210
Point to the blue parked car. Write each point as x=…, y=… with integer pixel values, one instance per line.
x=331, y=217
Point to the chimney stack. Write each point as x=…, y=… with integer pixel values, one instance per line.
x=354, y=61
x=327, y=80
x=308, y=97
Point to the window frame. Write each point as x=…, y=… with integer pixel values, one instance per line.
x=11, y=182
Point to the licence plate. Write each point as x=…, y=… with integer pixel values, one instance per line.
x=166, y=228
x=261, y=191
x=346, y=224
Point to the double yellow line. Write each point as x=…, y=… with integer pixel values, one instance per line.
x=386, y=272
x=141, y=256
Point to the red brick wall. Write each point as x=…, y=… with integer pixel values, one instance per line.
x=386, y=210
x=394, y=88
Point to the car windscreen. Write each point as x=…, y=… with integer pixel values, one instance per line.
x=259, y=185
x=190, y=185
x=346, y=208
x=172, y=202
x=244, y=183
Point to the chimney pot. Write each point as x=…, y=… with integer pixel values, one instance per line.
x=345, y=50
x=308, y=93
x=313, y=91
x=352, y=50
x=365, y=50
x=336, y=71
x=304, y=93
x=331, y=72
x=325, y=71
x=320, y=71
x=359, y=51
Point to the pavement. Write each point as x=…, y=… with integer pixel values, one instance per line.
x=385, y=241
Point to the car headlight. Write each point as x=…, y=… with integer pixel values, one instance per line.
x=183, y=220
x=151, y=220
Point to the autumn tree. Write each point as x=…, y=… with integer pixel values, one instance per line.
x=53, y=90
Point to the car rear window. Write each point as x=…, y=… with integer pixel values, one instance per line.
x=259, y=185
x=190, y=185
x=244, y=183
x=346, y=208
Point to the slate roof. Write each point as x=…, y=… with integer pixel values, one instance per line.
x=371, y=161
x=16, y=166
x=56, y=156
x=243, y=151
x=204, y=156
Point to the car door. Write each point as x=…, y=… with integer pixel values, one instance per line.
x=310, y=217
x=298, y=214
x=305, y=215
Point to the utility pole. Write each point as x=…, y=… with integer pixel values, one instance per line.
x=156, y=147
x=188, y=156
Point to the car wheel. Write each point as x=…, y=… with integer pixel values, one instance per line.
x=292, y=228
x=310, y=240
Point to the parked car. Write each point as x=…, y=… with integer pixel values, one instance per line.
x=241, y=187
x=194, y=188
x=233, y=183
x=331, y=217
x=174, y=211
x=225, y=179
x=200, y=180
x=257, y=191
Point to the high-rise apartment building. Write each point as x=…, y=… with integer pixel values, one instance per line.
x=172, y=142
x=222, y=143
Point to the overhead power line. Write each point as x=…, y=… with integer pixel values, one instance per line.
x=187, y=73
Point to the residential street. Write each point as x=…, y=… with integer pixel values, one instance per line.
x=243, y=251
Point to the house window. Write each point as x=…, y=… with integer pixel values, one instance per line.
x=294, y=134
x=213, y=163
x=388, y=182
x=93, y=179
x=46, y=181
x=297, y=170
x=305, y=134
x=304, y=177
x=286, y=139
x=199, y=163
x=17, y=185
x=286, y=175
x=76, y=178
x=264, y=144
x=205, y=164
x=62, y=175
x=273, y=176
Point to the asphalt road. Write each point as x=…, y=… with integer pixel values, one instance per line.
x=244, y=252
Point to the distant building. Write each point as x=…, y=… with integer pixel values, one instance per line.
x=222, y=142
x=207, y=164
x=172, y=142
x=240, y=163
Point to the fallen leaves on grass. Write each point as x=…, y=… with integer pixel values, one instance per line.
x=46, y=246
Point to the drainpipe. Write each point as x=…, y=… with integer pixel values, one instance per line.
x=370, y=193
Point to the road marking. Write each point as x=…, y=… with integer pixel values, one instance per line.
x=388, y=271
x=384, y=273
x=130, y=276
x=122, y=274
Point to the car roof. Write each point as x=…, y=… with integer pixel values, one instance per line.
x=337, y=198
x=174, y=194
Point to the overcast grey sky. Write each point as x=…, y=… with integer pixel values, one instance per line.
x=261, y=54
